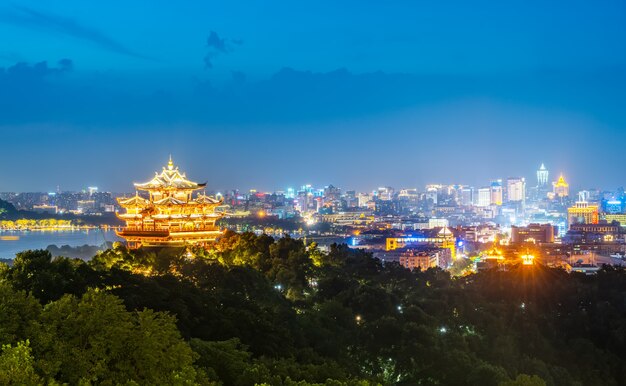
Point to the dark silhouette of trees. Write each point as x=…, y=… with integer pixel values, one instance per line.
x=258, y=310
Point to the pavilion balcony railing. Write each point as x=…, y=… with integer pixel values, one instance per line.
x=149, y=228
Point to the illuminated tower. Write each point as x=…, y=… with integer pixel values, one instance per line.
x=542, y=176
x=484, y=197
x=561, y=188
x=496, y=192
x=582, y=213
x=516, y=189
x=172, y=215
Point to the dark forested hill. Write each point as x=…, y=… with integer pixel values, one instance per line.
x=7, y=210
x=257, y=310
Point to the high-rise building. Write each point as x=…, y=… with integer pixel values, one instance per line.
x=516, y=189
x=560, y=187
x=496, y=192
x=408, y=194
x=466, y=196
x=331, y=193
x=484, y=197
x=542, y=176
x=363, y=199
x=385, y=193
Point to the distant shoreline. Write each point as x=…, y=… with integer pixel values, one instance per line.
x=61, y=228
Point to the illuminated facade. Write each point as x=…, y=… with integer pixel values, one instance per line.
x=621, y=218
x=542, y=176
x=496, y=192
x=560, y=187
x=419, y=260
x=438, y=237
x=172, y=215
x=532, y=233
x=516, y=189
x=349, y=218
x=582, y=213
x=484, y=197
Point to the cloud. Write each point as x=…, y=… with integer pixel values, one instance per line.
x=42, y=93
x=29, y=18
x=22, y=71
x=218, y=46
x=27, y=89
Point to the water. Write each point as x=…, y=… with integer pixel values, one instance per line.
x=12, y=242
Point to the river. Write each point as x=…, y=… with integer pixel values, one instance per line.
x=12, y=242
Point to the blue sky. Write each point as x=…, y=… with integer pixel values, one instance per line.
x=275, y=94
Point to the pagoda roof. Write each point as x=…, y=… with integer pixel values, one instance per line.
x=170, y=201
x=170, y=178
x=136, y=200
x=204, y=199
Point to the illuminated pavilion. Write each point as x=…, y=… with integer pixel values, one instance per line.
x=172, y=215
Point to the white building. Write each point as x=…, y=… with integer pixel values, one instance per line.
x=516, y=189
x=484, y=197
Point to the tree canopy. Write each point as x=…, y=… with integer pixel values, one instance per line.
x=255, y=310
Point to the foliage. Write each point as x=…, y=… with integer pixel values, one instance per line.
x=92, y=339
x=6, y=209
x=16, y=365
x=258, y=310
x=525, y=380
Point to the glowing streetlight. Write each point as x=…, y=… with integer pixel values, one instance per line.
x=528, y=260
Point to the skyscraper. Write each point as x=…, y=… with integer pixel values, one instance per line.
x=542, y=176
x=516, y=189
x=466, y=197
x=561, y=187
x=496, y=192
x=484, y=197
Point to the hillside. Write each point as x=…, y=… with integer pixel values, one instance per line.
x=258, y=310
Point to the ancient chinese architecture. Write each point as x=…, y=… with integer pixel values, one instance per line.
x=170, y=213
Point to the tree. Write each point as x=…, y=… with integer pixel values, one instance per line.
x=16, y=366
x=487, y=374
x=525, y=380
x=47, y=279
x=226, y=361
x=18, y=314
x=94, y=339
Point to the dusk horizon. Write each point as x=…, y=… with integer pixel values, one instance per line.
x=460, y=96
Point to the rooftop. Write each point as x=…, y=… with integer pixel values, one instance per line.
x=169, y=179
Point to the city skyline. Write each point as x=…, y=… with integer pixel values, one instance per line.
x=530, y=182
x=469, y=92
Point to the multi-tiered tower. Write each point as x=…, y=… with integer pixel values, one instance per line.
x=542, y=177
x=170, y=215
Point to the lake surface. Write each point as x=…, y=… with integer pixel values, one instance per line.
x=12, y=242
x=18, y=241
